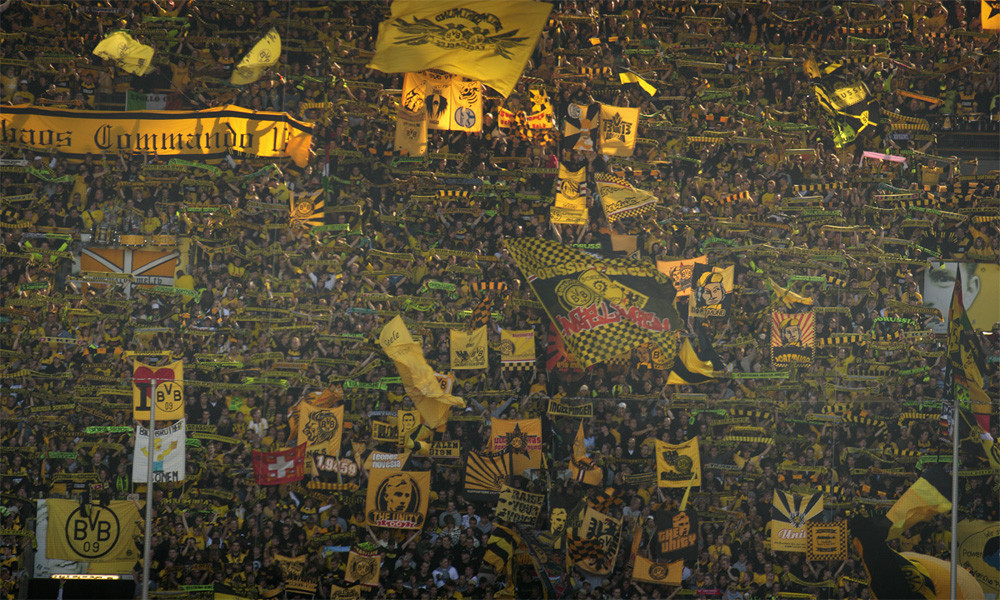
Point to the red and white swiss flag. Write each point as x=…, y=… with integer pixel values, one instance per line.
x=283, y=466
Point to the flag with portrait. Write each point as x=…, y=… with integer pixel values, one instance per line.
x=793, y=339
x=397, y=499
x=713, y=291
x=681, y=272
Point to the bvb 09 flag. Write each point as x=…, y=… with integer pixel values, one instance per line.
x=618, y=130
x=168, y=393
x=488, y=41
x=168, y=454
x=397, y=499
x=127, y=54
x=790, y=514
x=601, y=308
x=264, y=54
x=520, y=440
x=678, y=465
x=90, y=532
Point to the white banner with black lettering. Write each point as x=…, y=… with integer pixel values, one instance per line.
x=168, y=454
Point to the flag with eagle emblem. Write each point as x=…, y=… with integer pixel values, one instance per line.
x=489, y=41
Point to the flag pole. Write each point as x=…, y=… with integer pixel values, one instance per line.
x=146, y=558
x=954, y=495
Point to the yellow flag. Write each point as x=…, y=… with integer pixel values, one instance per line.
x=449, y=102
x=618, y=130
x=127, y=54
x=521, y=439
x=169, y=390
x=488, y=41
x=363, y=566
x=411, y=132
x=517, y=349
x=321, y=429
x=418, y=377
x=469, y=350
x=989, y=14
x=306, y=209
x=661, y=573
x=397, y=499
x=92, y=532
x=581, y=466
x=627, y=77
x=568, y=188
x=678, y=465
x=264, y=54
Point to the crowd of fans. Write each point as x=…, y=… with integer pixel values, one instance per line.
x=283, y=300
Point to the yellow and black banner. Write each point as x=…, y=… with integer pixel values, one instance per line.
x=265, y=53
x=488, y=41
x=363, y=567
x=977, y=551
x=128, y=54
x=411, y=132
x=790, y=514
x=827, y=541
x=619, y=127
x=676, y=536
x=397, y=499
x=660, y=573
x=570, y=207
x=485, y=473
x=793, y=339
x=91, y=532
x=678, y=465
x=448, y=101
x=558, y=408
x=518, y=506
x=212, y=133
x=989, y=14
x=520, y=440
x=321, y=429
x=620, y=199
x=581, y=126
x=713, y=291
x=681, y=272
x=517, y=349
x=419, y=379
x=169, y=391
x=606, y=531
x=469, y=350
x=600, y=308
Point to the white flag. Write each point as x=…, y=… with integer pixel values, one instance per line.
x=168, y=455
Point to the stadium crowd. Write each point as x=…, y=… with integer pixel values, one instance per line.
x=297, y=311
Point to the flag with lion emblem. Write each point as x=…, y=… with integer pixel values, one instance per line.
x=321, y=429
x=489, y=41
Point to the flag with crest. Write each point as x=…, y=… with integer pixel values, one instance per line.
x=620, y=199
x=264, y=54
x=618, y=130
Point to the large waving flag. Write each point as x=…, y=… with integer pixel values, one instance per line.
x=966, y=359
x=127, y=54
x=488, y=41
x=620, y=199
x=929, y=496
x=264, y=54
x=418, y=377
x=601, y=308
